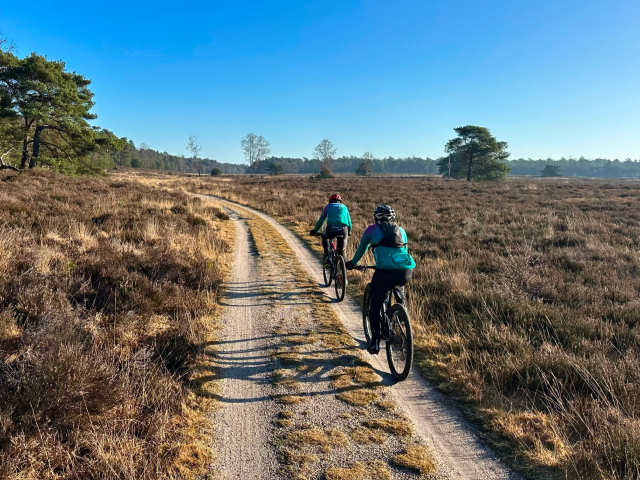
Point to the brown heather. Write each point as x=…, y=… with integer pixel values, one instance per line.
x=525, y=300
x=106, y=292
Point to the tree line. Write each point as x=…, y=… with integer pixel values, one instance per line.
x=578, y=167
x=146, y=157
x=409, y=165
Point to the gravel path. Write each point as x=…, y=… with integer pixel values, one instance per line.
x=243, y=427
x=455, y=443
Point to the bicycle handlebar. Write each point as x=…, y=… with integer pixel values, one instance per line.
x=362, y=268
x=324, y=235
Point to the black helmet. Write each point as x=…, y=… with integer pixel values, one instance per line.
x=384, y=213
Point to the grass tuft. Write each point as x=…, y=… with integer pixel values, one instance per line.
x=399, y=428
x=365, y=435
x=360, y=397
x=415, y=458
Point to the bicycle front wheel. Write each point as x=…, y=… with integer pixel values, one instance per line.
x=327, y=268
x=341, y=278
x=366, y=302
x=400, y=344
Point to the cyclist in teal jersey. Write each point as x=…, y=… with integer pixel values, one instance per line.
x=338, y=224
x=394, y=265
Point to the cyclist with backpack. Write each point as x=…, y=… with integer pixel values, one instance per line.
x=394, y=265
x=338, y=224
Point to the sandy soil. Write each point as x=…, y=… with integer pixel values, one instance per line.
x=243, y=427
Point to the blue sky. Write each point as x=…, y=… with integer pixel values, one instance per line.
x=552, y=78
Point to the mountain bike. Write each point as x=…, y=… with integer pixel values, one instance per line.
x=395, y=329
x=335, y=271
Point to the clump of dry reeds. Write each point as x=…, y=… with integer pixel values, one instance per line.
x=105, y=290
x=526, y=302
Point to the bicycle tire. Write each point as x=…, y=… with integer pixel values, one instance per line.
x=400, y=347
x=327, y=272
x=340, y=283
x=366, y=302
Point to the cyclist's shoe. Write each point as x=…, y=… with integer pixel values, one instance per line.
x=326, y=263
x=374, y=347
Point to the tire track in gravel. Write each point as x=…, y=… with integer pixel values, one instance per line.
x=242, y=358
x=455, y=443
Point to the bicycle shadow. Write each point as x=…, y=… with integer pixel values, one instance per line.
x=259, y=367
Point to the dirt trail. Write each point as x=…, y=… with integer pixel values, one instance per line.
x=243, y=429
x=455, y=443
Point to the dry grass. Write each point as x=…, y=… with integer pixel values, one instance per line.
x=387, y=405
x=376, y=470
x=290, y=399
x=107, y=291
x=399, y=428
x=355, y=472
x=360, y=397
x=365, y=435
x=316, y=437
x=525, y=303
x=415, y=458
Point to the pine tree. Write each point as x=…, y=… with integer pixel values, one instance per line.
x=52, y=106
x=475, y=154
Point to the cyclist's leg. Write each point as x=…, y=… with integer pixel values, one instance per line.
x=380, y=287
x=402, y=277
x=325, y=245
x=331, y=231
x=342, y=242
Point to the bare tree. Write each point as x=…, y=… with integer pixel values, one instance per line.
x=256, y=149
x=366, y=167
x=4, y=166
x=195, y=149
x=326, y=152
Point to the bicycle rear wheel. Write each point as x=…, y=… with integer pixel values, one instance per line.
x=327, y=269
x=366, y=302
x=400, y=346
x=341, y=278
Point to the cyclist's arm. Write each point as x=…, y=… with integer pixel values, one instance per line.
x=349, y=220
x=321, y=220
x=362, y=248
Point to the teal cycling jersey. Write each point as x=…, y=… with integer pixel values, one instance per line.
x=336, y=214
x=387, y=258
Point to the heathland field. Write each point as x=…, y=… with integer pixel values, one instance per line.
x=525, y=298
x=108, y=289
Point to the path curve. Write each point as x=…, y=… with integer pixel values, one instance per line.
x=455, y=443
x=242, y=358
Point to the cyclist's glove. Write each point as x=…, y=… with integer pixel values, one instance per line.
x=350, y=265
x=312, y=233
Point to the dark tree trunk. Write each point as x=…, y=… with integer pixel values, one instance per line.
x=25, y=154
x=36, y=147
x=469, y=168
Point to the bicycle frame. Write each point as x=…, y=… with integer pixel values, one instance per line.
x=332, y=253
x=398, y=293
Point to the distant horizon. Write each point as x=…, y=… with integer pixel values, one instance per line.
x=553, y=79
